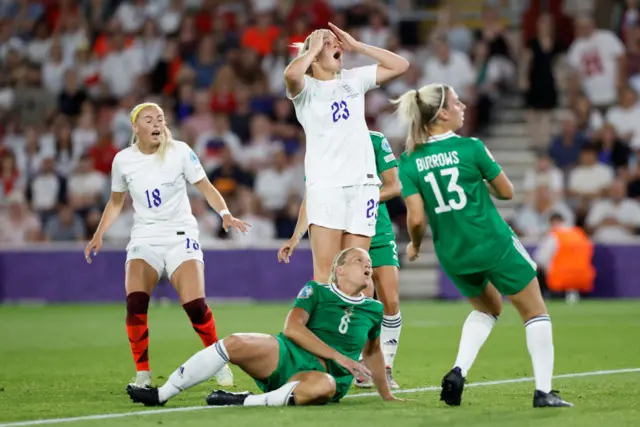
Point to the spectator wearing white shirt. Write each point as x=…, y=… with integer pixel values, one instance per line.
x=275, y=184
x=615, y=219
x=121, y=68
x=38, y=48
x=53, y=70
x=590, y=179
x=150, y=45
x=377, y=32
x=169, y=19
x=625, y=117
x=132, y=15
x=18, y=225
x=546, y=174
x=532, y=220
x=85, y=186
x=450, y=67
x=46, y=190
x=597, y=61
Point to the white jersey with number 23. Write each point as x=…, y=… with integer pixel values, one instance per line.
x=339, y=152
x=158, y=189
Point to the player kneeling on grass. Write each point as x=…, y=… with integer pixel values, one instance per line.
x=312, y=362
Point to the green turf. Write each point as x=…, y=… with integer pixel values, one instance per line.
x=69, y=361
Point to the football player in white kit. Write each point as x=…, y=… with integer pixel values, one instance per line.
x=341, y=179
x=155, y=170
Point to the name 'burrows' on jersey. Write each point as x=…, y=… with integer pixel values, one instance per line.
x=158, y=188
x=449, y=172
x=338, y=150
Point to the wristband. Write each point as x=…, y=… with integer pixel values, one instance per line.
x=224, y=212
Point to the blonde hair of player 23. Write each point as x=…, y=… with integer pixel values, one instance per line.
x=149, y=128
x=330, y=59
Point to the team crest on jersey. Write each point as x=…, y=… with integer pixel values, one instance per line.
x=306, y=292
x=193, y=157
x=385, y=146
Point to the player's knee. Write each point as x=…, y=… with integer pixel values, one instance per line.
x=137, y=303
x=325, y=388
x=197, y=310
x=234, y=344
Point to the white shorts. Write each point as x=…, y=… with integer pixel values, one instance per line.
x=166, y=254
x=353, y=209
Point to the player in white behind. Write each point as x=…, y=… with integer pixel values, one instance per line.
x=155, y=170
x=340, y=167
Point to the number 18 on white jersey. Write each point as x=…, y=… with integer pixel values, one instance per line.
x=158, y=188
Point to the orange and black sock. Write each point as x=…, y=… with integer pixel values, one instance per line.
x=137, y=329
x=202, y=320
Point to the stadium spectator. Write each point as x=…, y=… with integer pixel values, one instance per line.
x=18, y=225
x=543, y=174
x=85, y=187
x=47, y=189
x=66, y=226
x=459, y=36
x=275, y=184
x=250, y=210
x=615, y=218
x=588, y=119
x=565, y=148
x=597, y=61
x=537, y=79
x=625, y=117
x=613, y=151
x=532, y=220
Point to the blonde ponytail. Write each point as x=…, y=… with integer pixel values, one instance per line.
x=419, y=109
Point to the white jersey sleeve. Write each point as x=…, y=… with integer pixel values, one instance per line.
x=365, y=75
x=118, y=183
x=192, y=168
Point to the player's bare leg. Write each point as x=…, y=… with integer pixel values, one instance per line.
x=140, y=279
x=387, y=288
x=533, y=310
x=475, y=331
x=325, y=245
x=188, y=280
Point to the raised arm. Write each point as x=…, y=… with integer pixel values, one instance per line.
x=295, y=72
x=390, y=65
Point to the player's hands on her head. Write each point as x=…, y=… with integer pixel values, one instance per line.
x=229, y=222
x=347, y=42
x=412, y=252
x=354, y=368
x=316, y=42
x=286, y=250
x=94, y=246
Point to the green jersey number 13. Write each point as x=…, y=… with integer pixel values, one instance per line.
x=453, y=187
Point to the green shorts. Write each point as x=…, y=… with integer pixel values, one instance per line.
x=294, y=360
x=384, y=254
x=511, y=275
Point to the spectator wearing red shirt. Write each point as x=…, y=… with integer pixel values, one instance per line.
x=261, y=36
x=103, y=152
x=318, y=12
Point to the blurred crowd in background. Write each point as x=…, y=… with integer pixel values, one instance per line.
x=71, y=71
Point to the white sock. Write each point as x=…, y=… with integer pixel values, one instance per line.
x=475, y=331
x=202, y=366
x=279, y=397
x=540, y=345
x=390, y=337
